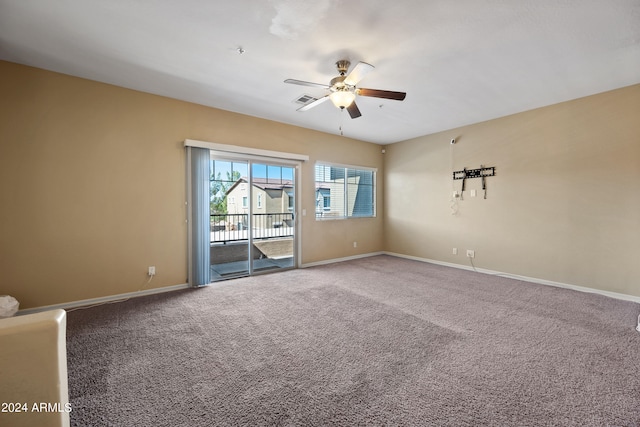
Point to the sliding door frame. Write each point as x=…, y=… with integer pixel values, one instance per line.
x=251, y=155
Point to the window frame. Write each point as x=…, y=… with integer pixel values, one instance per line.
x=319, y=216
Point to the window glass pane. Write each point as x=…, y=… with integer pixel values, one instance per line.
x=361, y=195
x=259, y=171
x=352, y=176
x=344, y=192
x=336, y=195
x=224, y=174
x=240, y=170
x=337, y=173
x=221, y=170
x=287, y=174
x=274, y=174
x=366, y=177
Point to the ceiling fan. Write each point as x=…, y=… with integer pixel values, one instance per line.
x=343, y=88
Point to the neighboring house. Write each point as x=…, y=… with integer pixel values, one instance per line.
x=272, y=204
x=323, y=199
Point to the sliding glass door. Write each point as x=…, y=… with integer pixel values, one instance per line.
x=272, y=216
x=252, y=210
x=229, y=218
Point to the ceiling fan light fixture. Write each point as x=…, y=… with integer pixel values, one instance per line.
x=342, y=98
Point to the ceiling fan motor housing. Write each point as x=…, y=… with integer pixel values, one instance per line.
x=343, y=66
x=337, y=83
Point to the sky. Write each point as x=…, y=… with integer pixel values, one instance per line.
x=273, y=173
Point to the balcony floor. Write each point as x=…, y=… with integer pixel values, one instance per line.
x=233, y=269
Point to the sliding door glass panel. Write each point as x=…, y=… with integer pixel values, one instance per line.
x=272, y=216
x=230, y=221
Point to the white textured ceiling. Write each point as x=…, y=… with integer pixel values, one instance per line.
x=460, y=61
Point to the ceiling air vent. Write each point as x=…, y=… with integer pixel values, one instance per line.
x=304, y=99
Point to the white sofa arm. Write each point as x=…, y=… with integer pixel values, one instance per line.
x=34, y=387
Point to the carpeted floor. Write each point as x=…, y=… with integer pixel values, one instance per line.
x=374, y=341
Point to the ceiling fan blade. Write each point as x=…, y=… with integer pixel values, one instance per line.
x=313, y=104
x=377, y=93
x=358, y=72
x=353, y=110
x=303, y=83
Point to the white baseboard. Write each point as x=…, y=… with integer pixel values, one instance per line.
x=103, y=300
x=125, y=296
x=334, y=260
x=615, y=295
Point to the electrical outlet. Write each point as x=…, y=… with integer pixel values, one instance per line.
x=455, y=251
x=473, y=193
x=152, y=270
x=471, y=254
x=355, y=244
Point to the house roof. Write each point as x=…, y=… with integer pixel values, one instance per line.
x=264, y=184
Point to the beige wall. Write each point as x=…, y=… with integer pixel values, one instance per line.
x=563, y=206
x=92, y=185
x=92, y=189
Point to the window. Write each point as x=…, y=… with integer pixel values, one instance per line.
x=245, y=202
x=290, y=200
x=259, y=201
x=323, y=199
x=345, y=191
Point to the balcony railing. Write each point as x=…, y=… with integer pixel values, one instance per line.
x=233, y=227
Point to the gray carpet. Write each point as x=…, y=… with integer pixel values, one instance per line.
x=375, y=341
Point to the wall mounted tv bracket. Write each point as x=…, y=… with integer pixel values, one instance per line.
x=482, y=172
